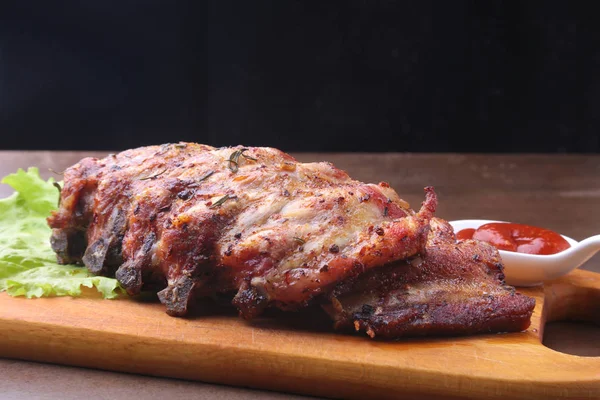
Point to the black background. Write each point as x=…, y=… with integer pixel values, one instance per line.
x=485, y=76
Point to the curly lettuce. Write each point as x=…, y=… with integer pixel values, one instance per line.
x=28, y=265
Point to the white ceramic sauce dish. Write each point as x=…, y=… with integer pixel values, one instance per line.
x=532, y=269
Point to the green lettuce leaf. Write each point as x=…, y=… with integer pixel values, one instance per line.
x=28, y=265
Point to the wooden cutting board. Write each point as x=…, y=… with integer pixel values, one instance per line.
x=299, y=353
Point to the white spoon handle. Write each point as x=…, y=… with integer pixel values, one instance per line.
x=587, y=248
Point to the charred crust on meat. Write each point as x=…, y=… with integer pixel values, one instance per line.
x=129, y=276
x=177, y=295
x=250, y=301
x=104, y=255
x=95, y=255
x=68, y=244
x=367, y=309
x=148, y=242
x=185, y=194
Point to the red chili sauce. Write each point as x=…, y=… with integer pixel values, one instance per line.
x=517, y=237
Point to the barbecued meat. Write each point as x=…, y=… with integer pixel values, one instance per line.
x=452, y=288
x=195, y=221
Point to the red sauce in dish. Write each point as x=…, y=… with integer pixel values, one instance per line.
x=517, y=237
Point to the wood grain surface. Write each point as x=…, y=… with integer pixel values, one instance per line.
x=298, y=353
x=560, y=192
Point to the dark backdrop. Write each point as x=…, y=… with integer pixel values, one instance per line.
x=492, y=76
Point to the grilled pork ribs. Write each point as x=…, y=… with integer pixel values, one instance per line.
x=194, y=221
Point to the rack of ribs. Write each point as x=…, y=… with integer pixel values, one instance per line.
x=193, y=221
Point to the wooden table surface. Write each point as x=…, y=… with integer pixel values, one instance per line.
x=559, y=192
